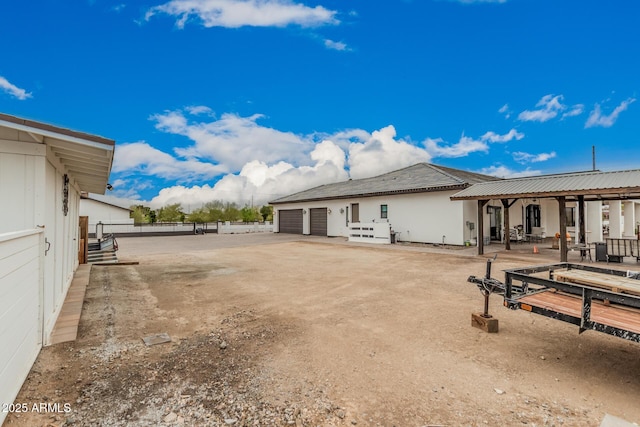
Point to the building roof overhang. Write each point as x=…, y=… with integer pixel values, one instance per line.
x=87, y=159
x=592, y=186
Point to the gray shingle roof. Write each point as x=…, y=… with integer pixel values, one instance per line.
x=593, y=184
x=419, y=178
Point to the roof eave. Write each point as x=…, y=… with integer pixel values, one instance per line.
x=597, y=194
x=375, y=194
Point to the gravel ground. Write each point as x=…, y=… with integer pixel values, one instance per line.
x=274, y=330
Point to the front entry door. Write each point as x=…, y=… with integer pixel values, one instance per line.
x=355, y=212
x=532, y=217
x=495, y=222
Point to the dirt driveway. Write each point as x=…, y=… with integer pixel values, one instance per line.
x=316, y=332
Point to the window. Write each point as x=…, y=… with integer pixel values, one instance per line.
x=571, y=218
x=383, y=211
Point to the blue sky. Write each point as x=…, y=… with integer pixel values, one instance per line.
x=254, y=99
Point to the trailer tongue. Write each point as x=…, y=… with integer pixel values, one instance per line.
x=593, y=298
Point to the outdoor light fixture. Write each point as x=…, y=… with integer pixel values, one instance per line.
x=341, y=210
x=65, y=195
x=304, y=211
x=328, y=211
x=109, y=187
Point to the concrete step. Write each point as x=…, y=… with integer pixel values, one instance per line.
x=102, y=257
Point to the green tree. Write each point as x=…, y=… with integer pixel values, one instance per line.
x=267, y=213
x=215, y=210
x=199, y=215
x=250, y=214
x=170, y=213
x=140, y=214
x=231, y=212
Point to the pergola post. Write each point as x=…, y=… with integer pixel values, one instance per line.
x=582, y=238
x=562, y=211
x=507, y=232
x=481, y=204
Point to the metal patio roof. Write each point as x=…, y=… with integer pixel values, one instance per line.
x=593, y=185
x=86, y=158
x=418, y=178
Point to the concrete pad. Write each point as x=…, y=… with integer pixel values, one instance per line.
x=157, y=339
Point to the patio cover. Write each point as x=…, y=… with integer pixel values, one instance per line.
x=577, y=186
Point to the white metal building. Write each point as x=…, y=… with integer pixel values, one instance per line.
x=43, y=168
x=100, y=211
x=413, y=201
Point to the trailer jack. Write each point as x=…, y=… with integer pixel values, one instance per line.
x=487, y=286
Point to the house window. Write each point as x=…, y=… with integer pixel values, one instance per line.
x=383, y=211
x=571, y=219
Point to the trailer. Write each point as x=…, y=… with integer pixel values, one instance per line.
x=593, y=298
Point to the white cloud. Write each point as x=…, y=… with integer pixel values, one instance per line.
x=509, y=136
x=504, y=172
x=260, y=163
x=330, y=44
x=260, y=183
x=463, y=147
x=233, y=140
x=240, y=13
x=383, y=153
x=345, y=138
x=596, y=118
x=505, y=110
x=523, y=158
x=575, y=110
x=466, y=145
x=549, y=107
x=199, y=109
x=13, y=90
x=141, y=158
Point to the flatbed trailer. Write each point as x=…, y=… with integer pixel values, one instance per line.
x=593, y=298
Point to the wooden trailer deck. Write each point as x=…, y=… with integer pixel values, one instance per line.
x=626, y=318
x=600, y=280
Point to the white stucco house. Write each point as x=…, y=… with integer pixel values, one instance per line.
x=414, y=202
x=434, y=204
x=43, y=169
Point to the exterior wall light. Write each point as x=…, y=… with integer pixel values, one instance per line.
x=341, y=210
x=328, y=211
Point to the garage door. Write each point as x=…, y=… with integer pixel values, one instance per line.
x=318, y=221
x=290, y=221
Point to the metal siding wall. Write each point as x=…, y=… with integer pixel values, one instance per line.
x=20, y=318
x=17, y=183
x=61, y=260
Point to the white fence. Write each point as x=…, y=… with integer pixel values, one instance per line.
x=182, y=228
x=370, y=232
x=236, y=228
